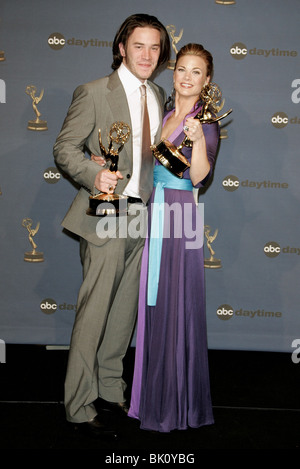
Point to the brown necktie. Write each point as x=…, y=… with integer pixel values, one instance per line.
x=146, y=174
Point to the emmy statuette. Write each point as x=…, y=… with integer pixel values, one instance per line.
x=36, y=124
x=111, y=204
x=34, y=255
x=212, y=262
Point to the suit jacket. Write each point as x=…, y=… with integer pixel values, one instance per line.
x=95, y=105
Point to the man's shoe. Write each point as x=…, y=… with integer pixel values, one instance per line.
x=118, y=408
x=96, y=428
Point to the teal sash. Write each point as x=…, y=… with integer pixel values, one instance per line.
x=162, y=178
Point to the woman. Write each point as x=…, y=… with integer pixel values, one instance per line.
x=171, y=387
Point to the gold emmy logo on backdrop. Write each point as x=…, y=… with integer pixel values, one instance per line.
x=168, y=154
x=175, y=39
x=223, y=131
x=211, y=263
x=225, y=2
x=34, y=255
x=36, y=124
x=109, y=204
x=2, y=56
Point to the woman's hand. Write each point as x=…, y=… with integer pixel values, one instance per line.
x=193, y=129
x=200, y=166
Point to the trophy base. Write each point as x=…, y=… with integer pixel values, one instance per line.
x=34, y=125
x=102, y=205
x=170, y=157
x=212, y=264
x=33, y=256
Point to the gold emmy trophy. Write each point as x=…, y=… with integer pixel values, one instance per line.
x=211, y=263
x=168, y=154
x=171, y=30
x=36, y=124
x=111, y=204
x=34, y=255
x=2, y=56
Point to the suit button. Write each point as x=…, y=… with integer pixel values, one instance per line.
x=128, y=176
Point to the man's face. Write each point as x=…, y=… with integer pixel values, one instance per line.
x=142, y=52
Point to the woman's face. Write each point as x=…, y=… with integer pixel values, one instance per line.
x=190, y=76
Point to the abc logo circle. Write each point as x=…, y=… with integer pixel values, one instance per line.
x=272, y=249
x=279, y=120
x=238, y=51
x=225, y=312
x=48, y=306
x=52, y=175
x=56, y=41
x=231, y=183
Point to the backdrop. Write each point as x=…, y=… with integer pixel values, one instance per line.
x=252, y=244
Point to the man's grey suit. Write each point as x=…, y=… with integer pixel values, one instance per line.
x=107, y=300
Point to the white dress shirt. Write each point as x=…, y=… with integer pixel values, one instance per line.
x=131, y=86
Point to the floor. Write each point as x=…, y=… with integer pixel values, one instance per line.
x=256, y=400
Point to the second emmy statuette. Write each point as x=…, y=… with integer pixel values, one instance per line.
x=212, y=262
x=111, y=204
x=36, y=124
x=34, y=255
x=168, y=154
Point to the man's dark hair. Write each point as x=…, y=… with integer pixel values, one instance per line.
x=140, y=21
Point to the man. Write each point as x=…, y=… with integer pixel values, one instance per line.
x=107, y=300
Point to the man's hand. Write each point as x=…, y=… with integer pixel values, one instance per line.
x=106, y=181
x=98, y=159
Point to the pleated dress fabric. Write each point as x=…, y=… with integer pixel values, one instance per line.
x=171, y=386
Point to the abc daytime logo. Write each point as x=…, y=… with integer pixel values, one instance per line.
x=231, y=183
x=57, y=41
x=239, y=51
x=52, y=175
x=50, y=306
x=226, y=312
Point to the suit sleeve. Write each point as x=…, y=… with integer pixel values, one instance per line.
x=69, y=148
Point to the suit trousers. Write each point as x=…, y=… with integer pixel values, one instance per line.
x=104, y=323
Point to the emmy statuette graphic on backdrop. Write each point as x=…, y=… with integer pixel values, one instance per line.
x=223, y=130
x=175, y=39
x=2, y=56
x=111, y=204
x=34, y=255
x=212, y=262
x=168, y=154
x=36, y=124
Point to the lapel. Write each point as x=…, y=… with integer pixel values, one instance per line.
x=117, y=102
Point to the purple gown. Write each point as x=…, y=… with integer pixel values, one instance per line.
x=171, y=388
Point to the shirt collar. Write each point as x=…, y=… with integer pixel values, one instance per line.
x=130, y=82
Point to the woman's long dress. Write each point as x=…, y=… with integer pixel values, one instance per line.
x=171, y=388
